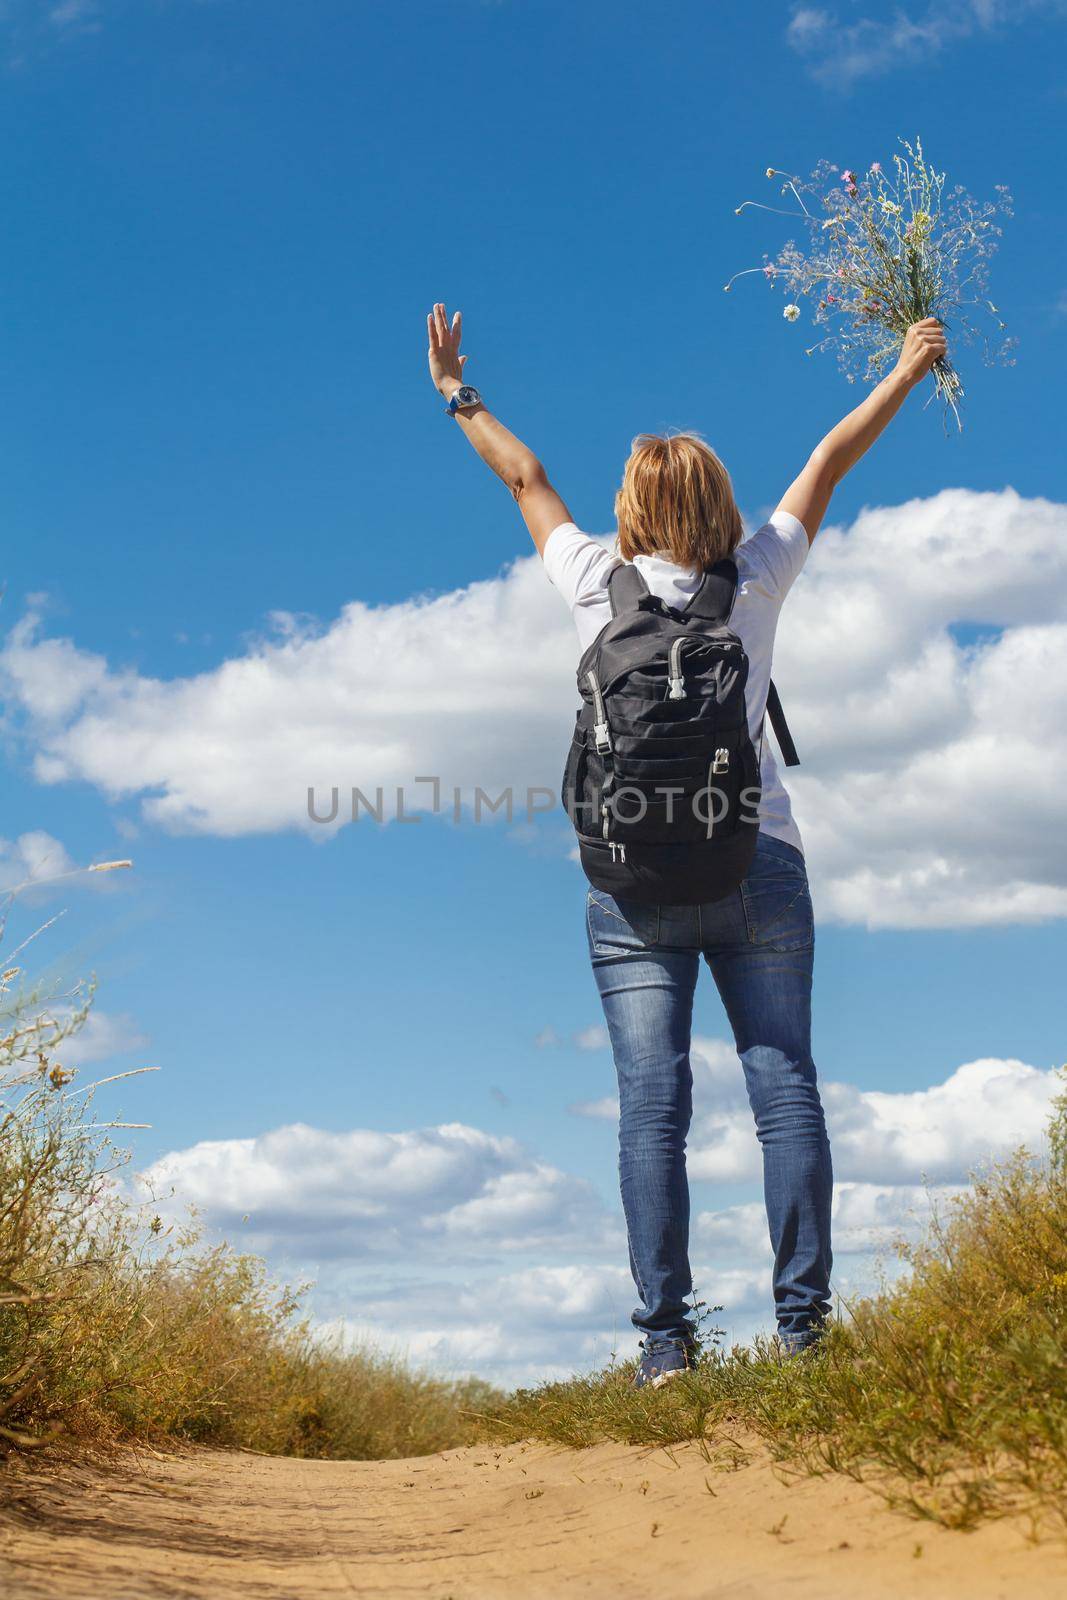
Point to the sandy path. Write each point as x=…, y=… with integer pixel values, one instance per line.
x=480, y=1524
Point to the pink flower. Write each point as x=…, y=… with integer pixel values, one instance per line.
x=876, y=166
x=848, y=175
x=768, y=272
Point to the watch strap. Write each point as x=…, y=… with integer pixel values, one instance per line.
x=453, y=406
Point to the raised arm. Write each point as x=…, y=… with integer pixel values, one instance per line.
x=809, y=495
x=510, y=459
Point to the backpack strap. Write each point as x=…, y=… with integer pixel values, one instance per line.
x=781, y=728
x=626, y=588
x=712, y=602
x=714, y=599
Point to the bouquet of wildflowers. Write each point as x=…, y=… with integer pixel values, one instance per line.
x=883, y=251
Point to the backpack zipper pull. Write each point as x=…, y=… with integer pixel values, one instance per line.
x=676, y=681
x=601, y=730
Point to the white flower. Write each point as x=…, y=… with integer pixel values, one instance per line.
x=791, y=313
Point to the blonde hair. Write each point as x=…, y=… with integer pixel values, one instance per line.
x=676, y=500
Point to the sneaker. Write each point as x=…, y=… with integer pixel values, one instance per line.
x=799, y=1344
x=663, y=1360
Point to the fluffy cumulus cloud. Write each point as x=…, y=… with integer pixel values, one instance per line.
x=466, y=1251
x=473, y=688
x=302, y=1191
x=985, y=1108
x=840, y=49
x=550, y=1320
x=868, y=1218
x=925, y=654
x=546, y=1321
x=938, y=1134
x=922, y=654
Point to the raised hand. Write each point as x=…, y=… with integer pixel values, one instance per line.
x=446, y=363
x=924, y=343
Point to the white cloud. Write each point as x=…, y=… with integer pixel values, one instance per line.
x=605, y=1109
x=467, y=1252
x=36, y=861
x=591, y=1038
x=937, y=1134
x=734, y=1232
x=841, y=52
x=867, y=1218
x=934, y=784
x=477, y=691
x=102, y=1036
x=362, y=1194
x=718, y=1082
x=985, y=1108
x=935, y=781
x=546, y=1321
x=31, y=858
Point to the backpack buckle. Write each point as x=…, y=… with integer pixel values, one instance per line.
x=722, y=762
x=602, y=737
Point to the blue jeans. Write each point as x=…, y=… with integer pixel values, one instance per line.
x=759, y=944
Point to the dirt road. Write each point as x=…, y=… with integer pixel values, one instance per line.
x=482, y=1524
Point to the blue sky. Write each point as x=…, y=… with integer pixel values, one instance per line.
x=225, y=222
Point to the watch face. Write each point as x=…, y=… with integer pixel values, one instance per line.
x=467, y=396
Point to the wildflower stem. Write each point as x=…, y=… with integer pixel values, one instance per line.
x=777, y=211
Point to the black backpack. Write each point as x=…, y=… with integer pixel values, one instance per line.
x=662, y=782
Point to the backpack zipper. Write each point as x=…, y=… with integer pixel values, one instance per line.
x=621, y=848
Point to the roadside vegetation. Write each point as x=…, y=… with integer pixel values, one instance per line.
x=947, y=1391
x=115, y=1327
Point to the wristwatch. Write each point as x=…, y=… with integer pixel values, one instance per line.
x=464, y=397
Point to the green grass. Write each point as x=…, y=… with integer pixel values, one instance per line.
x=947, y=1391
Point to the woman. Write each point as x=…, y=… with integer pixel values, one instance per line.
x=677, y=518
